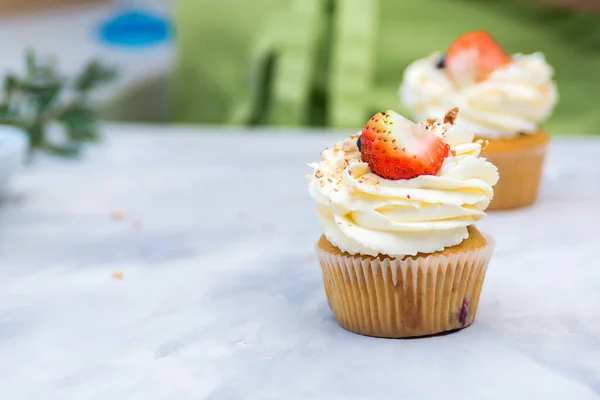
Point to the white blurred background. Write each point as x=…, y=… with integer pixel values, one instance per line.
x=67, y=31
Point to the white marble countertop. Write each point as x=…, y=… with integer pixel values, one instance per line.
x=207, y=287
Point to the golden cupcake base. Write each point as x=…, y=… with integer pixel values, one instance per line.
x=406, y=297
x=520, y=163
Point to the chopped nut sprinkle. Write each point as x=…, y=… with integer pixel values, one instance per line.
x=450, y=116
x=348, y=146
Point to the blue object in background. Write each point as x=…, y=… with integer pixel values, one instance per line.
x=135, y=29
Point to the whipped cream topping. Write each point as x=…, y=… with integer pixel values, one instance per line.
x=514, y=99
x=362, y=213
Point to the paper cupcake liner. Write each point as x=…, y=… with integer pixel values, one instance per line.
x=520, y=177
x=398, y=298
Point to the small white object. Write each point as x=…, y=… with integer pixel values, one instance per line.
x=13, y=148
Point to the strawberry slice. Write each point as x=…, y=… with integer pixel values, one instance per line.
x=397, y=148
x=473, y=57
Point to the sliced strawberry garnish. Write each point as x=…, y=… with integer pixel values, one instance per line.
x=397, y=148
x=473, y=57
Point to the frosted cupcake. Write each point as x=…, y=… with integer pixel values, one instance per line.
x=502, y=98
x=398, y=204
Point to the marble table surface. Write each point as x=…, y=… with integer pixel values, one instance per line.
x=177, y=263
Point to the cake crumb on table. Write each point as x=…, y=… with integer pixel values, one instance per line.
x=117, y=215
x=117, y=275
x=268, y=227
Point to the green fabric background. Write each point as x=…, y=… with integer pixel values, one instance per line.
x=336, y=62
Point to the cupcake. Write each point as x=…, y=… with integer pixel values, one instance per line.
x=400, y=254
x=502, y=98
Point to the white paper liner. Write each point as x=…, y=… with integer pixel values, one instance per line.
x=408, y=297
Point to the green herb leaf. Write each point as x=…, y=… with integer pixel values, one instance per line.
x=80, y=123
x=94, y=74
x=10, y=84
x=43, y=94
x=30, y=61
x=34, y=101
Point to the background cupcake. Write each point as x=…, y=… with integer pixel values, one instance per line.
x=400, y=254
x=503, y=98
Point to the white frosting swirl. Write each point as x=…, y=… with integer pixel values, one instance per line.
x=362, y=213
x=514, y=99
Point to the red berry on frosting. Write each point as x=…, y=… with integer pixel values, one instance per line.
x=397, y=148
x=473, y=57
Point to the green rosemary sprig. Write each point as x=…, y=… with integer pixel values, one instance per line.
x=43, y=96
